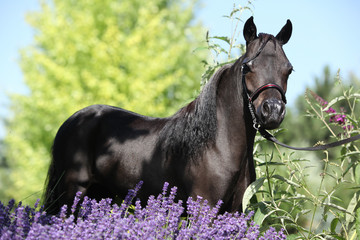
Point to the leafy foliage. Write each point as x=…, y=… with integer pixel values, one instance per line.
x=223, y=49
x=328, y=86
x=133, y=54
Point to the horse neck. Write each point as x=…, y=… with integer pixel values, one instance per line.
x=233, y=115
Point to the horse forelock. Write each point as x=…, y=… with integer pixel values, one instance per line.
x=265, y=37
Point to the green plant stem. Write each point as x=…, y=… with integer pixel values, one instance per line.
x=233, y=38
x=326, y=160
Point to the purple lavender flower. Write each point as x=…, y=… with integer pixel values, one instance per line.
x=272, y=234
x=76, y=201
x=130, y=196
x=160, y=219
x=85, y=208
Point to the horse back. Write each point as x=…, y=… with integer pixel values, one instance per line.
x=100, y=151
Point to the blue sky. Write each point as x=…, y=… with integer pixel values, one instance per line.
x=324, y=33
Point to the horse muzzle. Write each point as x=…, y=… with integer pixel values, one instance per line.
x=271, y=113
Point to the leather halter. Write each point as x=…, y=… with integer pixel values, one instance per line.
x=251, y=97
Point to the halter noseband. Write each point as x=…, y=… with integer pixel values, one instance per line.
x=251, y=97
x=257, y=92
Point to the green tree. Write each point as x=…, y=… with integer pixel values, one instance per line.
x=134, y=54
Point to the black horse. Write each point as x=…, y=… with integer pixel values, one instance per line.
x=204, y=149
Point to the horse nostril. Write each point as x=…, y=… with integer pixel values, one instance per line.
x=266, y=109
x=271, y=113
x=271, y=107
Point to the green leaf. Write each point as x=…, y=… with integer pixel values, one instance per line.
x=334, y=101
x=281, y=178
x=306, y=211
x=292, y=237
x=334, y=224
x=357, y=174
x=260, y=214
x=351, y=208
x=234, y=11
x=334, y=206
x=352, y=153
x=250, y=191
x=271, y=164
x=355, y=95
x=199, y=49
x=217, y=48
x=336, y=236
x=357, y=223
x=225, y=39
x=261, y=219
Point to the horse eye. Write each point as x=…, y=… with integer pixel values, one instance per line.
x=291, y=70
x=246, y=68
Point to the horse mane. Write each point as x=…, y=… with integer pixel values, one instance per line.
x=189, y=131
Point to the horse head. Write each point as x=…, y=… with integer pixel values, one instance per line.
x=265, y=71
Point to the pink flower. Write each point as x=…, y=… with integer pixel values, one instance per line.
x=334, y=118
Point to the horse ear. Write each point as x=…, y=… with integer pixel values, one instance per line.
x=249, y=30
x=285, y=33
